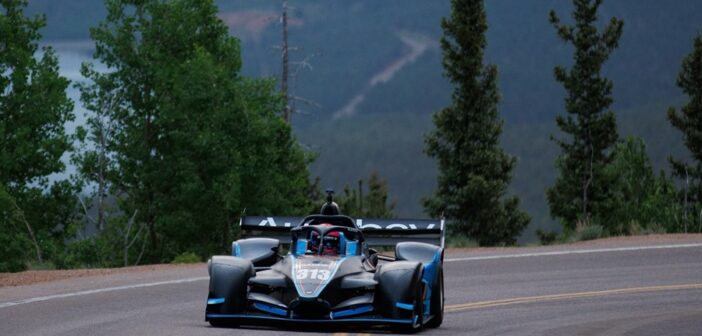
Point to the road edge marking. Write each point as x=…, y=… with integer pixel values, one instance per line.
x=566, y=296
x=559, y=253
x=99, y=290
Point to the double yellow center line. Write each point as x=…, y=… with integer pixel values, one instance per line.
x=555, y=297
x=566, y=296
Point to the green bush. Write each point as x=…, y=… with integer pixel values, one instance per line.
x=13, y=249
x=41, y=266
x=460, y=241
x=85, y=253
x=14, y=244
x=186, y=258
x=641, y=201
x=591, y=232
x=546, y=237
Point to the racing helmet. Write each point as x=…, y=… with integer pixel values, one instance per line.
x=331, y=243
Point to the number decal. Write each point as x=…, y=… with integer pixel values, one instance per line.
x=318, y=274
x=301, y=274
x=323, y=275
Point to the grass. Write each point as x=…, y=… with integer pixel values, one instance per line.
x=44, y=266
x=186, y=258
x=460, y=241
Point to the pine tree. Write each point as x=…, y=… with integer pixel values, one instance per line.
x=474, y=170
x=581, y=192
x=689, y=121
x=34, y=108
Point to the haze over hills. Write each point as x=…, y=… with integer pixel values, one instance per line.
x=376, y=75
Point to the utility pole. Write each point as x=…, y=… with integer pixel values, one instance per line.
x=284, y=80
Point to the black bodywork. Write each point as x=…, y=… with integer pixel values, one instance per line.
x=351, y=287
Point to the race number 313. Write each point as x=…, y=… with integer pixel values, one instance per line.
x=312, y=274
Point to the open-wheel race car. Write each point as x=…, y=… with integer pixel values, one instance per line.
x=331, y=275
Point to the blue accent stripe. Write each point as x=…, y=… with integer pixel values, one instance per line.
x=405, y=306
x=353, y=311
x=301, y=247
x=215, y=301
x=272, y=318
x=352, y=248
x=270, y=309
x=342, y=243
x=428, y=277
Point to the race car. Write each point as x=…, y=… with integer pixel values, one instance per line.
x=331, y=274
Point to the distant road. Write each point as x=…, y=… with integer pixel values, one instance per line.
x=616, y=288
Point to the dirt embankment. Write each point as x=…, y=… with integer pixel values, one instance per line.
x=612, y=242
x=32, y=277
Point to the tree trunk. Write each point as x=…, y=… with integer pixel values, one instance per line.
x=284, y=79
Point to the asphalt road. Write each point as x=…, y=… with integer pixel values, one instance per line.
x=547, y=291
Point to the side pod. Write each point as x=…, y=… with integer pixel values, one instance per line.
x=262, y=252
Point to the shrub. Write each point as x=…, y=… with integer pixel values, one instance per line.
x=460, y=241
x=591, y=232
x=186, y=258
x=546, y=237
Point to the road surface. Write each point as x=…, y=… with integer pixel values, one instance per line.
x=618, y=289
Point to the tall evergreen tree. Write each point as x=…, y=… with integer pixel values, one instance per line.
x=582, y=191
x=689, y=121
x=34, y=108
x=192, y=142
x=474, y=170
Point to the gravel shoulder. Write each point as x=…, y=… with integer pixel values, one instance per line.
x=612, y=242
x=36, y=277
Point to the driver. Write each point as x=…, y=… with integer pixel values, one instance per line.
x=331, y=244
x=313, y=243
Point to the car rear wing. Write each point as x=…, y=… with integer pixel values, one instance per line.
x=377, y=232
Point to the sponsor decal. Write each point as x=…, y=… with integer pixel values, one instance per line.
x=391, y=226
x=270, y=221
x=365, y=224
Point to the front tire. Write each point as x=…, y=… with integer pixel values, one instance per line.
x=229, y=278
x=437, y=303
x=400, y=284
x=418, y=311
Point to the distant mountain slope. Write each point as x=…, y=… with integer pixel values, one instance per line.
x=355, y=41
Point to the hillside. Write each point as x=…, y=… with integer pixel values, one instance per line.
x=376, y=75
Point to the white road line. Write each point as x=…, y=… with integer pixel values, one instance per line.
x=99, y=290
x=558, y=253
x=505, y=256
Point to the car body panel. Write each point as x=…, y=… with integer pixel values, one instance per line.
x=307, y=287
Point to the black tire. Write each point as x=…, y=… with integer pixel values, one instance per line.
x=228, y=280
x=400, y=281
x=418, y=309
x=437, y=302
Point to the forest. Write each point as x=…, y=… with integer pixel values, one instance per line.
x=180, y=132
